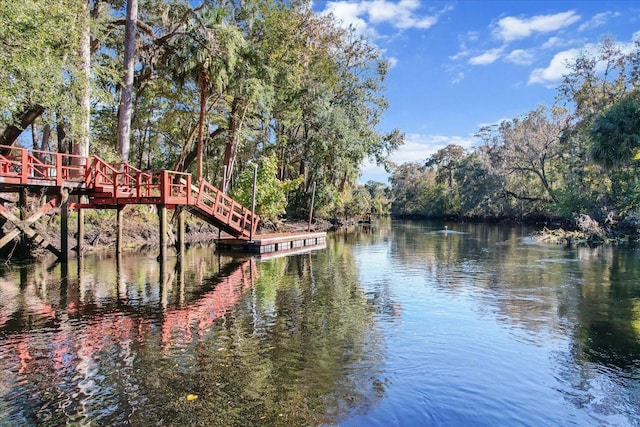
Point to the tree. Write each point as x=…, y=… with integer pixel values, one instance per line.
x=527, y=151
x=480, y=187
x=38, y=63
x=414, y=189
x=615, y=134
x=596, y=80
x=445, y=162
x=81, y=147
x=271, y=193
x=380, y=197
x=126, y=103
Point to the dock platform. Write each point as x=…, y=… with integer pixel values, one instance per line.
x=275, y=242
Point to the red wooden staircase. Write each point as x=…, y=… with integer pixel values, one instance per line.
x=109, y=185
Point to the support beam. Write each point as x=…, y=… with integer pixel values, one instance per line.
x=80, y=232
x=25, y=226
x=24, y=214
x=162, y=217
x=164, y=284
x=80, y=246
x=22, y=204
x=64, y=228
x=180, y=243
x=119, y=228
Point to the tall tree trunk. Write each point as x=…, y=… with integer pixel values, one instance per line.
x=62, y=139
x=81, y=145
x=204, y=83
x=126, y=104
x=229, y=147
x=34, y=136
x=46, y=134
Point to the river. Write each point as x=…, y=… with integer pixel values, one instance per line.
x=400, y=323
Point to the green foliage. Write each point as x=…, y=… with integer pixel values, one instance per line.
x=227, y=82
x=569, y=161
x=380, y=195
x=359, y=203
x=481, y=188
x=615, y=134
x=271, y=193
x=39, y=56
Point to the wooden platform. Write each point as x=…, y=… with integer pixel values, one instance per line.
x=276, y=243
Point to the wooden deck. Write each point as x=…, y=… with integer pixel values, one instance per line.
x=281, y=243
x=112, y=185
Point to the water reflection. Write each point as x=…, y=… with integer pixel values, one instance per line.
x=393, y=323
x=119, y=341
x=489, y=293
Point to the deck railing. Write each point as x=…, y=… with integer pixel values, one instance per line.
x=121, y=183
x=22, y=166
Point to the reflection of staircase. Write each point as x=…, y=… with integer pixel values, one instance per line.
x=117, y=184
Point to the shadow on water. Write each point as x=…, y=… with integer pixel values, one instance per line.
x=206, y=340
x=393, y=323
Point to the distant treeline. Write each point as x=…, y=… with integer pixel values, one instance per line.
x=576, y=158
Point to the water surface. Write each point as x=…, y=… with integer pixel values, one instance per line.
x=398, y=323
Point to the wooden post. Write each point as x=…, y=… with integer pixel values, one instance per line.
x=180, y=278
x=164, y=283
x=122, y=281
x=224, y=179
x=119, y=227
x=313, y=196
x=22, y=204
x=80, y=231
x=24, y=162
x=162, y=216
x=24, y=214
x=180, y=242
x=64, y=226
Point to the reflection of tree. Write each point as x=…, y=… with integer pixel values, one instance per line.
x=286, y=356
x=601, y=365
x=77, y=361
x=590, y=296
x=489, y=261
x=294, y=350
x=608, y=310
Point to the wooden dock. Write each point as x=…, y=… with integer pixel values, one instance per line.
x=96, y=184
x=281, y=243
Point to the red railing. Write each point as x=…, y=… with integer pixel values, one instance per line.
x=22, y=166
x=121, y=183
x=217, y=204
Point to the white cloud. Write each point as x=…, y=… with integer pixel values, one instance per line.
x=557, y=68
x=347, y=13
x=460, y=55
x=402, y=15
x=511, y=28
x=598, y=20
x=553, y=43
x=416, y=148
x=520, y=57
x=489, y=57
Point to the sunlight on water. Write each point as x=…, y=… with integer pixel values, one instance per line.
x=398, y=323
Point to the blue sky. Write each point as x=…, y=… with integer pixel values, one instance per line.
x=459, y=65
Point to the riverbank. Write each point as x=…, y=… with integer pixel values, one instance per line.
x=587, y=231
x=140, y=233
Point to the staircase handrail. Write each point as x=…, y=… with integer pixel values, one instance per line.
x=24, y=163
